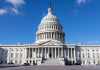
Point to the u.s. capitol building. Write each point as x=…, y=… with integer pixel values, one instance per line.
x=50, y=47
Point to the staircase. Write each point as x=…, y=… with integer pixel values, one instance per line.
x=52, y=62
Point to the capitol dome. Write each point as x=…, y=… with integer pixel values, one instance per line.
x=50, y=29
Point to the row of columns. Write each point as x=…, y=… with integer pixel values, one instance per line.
x=50, y=35
x=49, y=26
x=51, y=52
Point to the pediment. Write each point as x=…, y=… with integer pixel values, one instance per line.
x=51, y=42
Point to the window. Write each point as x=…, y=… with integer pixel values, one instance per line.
x=93, y=55
x=83, y=62
x=97, y=55
x=11, y=55
x=83, y=55
x=16, y=55
x=52, y=27
x=27, y=61
x=89, y=62
x=94, y=62
x=88, y=55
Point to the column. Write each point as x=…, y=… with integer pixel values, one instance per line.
x=38, y=53
x=51, y=35
x=54, y=35
x=68, y=53
x=52, y=52
x=64, y=52
x=48, y=52
x=40, y=35
x=55, y=52
x=61, y=52
x=78, y=54
x=74, y=55
x=60, y=36
x=24, y=53
x=45, y=52
x=42, y=51
x=35, y=52
x=47, y=35
x=57, y=37
x=71, y=52
x=58, y=52
x=32, y=52
x=74, y=52
x=44, y=36
x=29, y=53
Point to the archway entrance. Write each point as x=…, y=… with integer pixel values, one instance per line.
x=50, y=55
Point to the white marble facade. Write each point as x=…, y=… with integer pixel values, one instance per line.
x=50, y=44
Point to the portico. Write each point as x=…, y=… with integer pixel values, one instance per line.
x=50, y=52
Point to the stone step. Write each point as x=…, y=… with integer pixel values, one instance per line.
x=52, y=62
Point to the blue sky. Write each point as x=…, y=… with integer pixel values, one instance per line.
x=19, y=20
